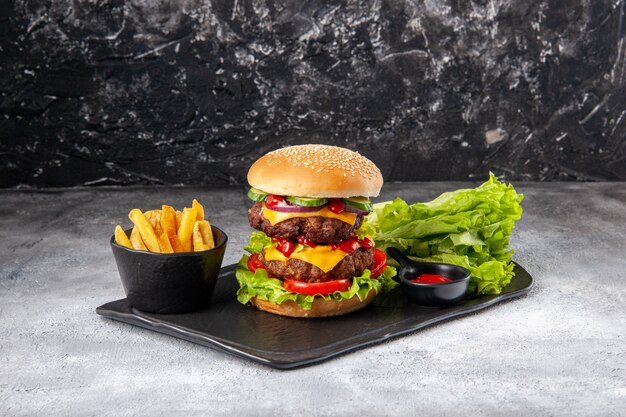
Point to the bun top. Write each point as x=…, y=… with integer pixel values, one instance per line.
x=316, y=171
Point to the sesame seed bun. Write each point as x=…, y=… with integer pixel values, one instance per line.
x=320, y=307
x=316, y=171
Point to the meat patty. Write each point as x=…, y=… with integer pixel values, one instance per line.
x=318, y=229
x=350, y=266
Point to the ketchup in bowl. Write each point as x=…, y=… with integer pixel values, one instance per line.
x=430, y=279
x=421, y=281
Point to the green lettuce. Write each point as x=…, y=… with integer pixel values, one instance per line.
x=259, y=284
x=257, y=242
x=467, y=227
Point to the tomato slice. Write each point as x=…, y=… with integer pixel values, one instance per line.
x=379, y=263
x=255, y=263
x=312, y=288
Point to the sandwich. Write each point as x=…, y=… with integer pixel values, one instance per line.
x=307, y=258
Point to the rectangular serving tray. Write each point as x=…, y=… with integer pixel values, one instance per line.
x=283, y=342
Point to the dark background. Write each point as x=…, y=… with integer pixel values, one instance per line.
x=192, y=91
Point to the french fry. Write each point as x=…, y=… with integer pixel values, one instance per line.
x=164, y=244
x=175, y=242
x=169, y=209
x=168, y=230
x=207, y=233
x=145, y=230
x=121, y=238
x=179, y=219
x=155, y=221
x=158, y=230
x=198, y=244
x=186, y=228
x=199, y=209
x=168, y=221
x=135, y=240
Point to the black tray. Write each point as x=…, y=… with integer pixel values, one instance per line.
x=283, y=342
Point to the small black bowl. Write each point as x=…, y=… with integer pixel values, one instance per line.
x=169, y=283
x=431, y=295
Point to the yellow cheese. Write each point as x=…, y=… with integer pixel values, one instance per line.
x=275, y=217
x=322, y=257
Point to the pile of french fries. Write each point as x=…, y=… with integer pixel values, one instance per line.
x=168, y=230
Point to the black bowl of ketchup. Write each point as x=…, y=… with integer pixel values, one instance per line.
x=431, y=284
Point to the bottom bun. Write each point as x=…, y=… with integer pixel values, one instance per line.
x=319, y=308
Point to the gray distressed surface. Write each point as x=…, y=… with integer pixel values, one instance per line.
x=559, y=351
x=189, y=91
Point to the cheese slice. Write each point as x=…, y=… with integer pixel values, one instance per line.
x=275, y=217
x=322, y=257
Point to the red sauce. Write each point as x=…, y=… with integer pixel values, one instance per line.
x=430, y=279
x=273, y=200
x=304, y=241
x=284, y=246
x=366, y=243
x=336, y=206
x=351, y=244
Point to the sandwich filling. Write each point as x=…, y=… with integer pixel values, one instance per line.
x=307, y=248
x=275, y=217
x=256, y=281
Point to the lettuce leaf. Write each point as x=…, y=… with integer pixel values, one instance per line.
x=467, y=227
x=258, y=241
x=259, y=284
